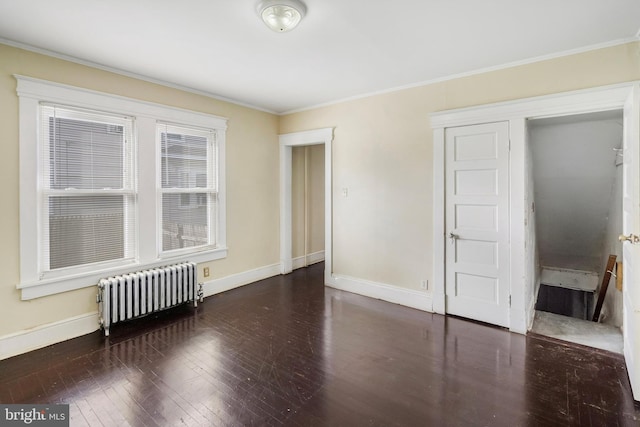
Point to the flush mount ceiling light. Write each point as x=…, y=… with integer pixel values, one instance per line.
x=281, y=15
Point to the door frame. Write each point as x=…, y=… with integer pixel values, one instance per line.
x=287, y=141
x=522, y=280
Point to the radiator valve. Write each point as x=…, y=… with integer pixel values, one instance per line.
x=201, y=291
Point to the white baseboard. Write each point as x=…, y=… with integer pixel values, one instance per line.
x=227, y=283
x=42, y=336
x=407, y=297
x=313, y=258
x=52, y=333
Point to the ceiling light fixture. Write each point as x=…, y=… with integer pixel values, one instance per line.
x=281, y=15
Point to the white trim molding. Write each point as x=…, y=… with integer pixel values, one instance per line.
x=305, y=261
x=66, y=329
x=420, y=300
x=439, y=244
x=35, y=283
x=52, y=333
x=233, y=281
x=517, y=112
x=30, y=87
x=591, y=100
x=287, y=142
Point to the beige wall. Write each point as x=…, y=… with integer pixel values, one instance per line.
x=252, y=181
x=316, y=198
x=382, y=153
x=307, y=185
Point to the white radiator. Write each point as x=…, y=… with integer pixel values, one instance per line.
x=132, y=295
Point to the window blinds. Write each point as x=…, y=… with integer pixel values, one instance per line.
x=88, y=201
x=188, y=187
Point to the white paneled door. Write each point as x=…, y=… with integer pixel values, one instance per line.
x=631, y=246
x=477, y=222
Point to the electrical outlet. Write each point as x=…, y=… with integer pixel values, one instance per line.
x=206, y=272
x=424, y=284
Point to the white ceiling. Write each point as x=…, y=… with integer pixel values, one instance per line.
x=342, y=48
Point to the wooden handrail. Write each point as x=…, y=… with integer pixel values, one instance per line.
x=603, y=287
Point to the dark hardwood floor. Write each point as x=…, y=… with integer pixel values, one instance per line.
x=288, y=351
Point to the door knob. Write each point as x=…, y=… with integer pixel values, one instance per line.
x=630, y=238
x=453, y=237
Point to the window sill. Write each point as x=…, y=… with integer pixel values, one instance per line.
x=42, y=288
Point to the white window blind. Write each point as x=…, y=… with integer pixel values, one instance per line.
x=93, y=200
x=88, y=200
x=188, y=188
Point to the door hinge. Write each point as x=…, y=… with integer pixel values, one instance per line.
x=509, y=301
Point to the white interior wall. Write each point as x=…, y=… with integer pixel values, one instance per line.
x=574, y=172
x=577, y=195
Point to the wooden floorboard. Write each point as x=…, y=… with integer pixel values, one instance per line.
x=288, y=351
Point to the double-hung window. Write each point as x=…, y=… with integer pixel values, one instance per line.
x=87, y=197
x=188, y=188
x=111, y=185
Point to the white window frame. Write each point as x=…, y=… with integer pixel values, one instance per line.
x=31, y=93
x=129, y=188
x=209, y=189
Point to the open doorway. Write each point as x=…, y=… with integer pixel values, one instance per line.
x=307, y=205
x=576, y=182
x=288, y=142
